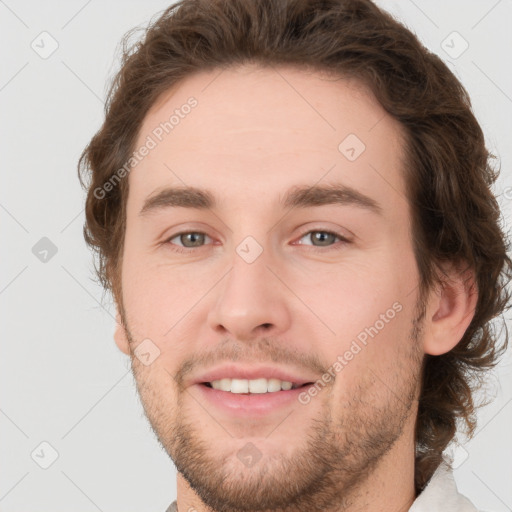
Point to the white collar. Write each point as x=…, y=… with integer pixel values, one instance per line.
x=441, y=494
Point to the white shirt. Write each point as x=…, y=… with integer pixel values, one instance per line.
x=440, y=495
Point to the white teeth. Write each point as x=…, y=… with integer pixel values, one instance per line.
x=257, y=385
x=239, y=386
x=223, y=384
x=274, y=385
x=251, y=386
x=286, y=385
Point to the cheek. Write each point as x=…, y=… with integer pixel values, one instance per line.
x=351, y=298
x=369, y=311
x=371, y=367
x=159, y=298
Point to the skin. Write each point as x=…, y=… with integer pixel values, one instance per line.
x=256, y=133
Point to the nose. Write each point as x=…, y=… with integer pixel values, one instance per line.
x=250, y=302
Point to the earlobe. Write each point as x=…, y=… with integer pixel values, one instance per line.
x=449, y=312
x=120, y=336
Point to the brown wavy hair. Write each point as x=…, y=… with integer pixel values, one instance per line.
x=448, y=172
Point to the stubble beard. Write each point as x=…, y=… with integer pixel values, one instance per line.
x=326, y=473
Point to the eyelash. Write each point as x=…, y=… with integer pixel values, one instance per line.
x=184, y=250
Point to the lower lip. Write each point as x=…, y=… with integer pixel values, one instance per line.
x=253, y=404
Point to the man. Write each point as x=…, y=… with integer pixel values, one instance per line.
x=291, y=204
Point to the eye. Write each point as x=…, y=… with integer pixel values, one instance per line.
x=187, y=240
x=323, y=238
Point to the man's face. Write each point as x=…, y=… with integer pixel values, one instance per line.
x=261, y=289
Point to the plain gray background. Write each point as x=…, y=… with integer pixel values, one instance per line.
x=62, y=379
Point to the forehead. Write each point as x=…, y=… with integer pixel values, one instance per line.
x=248, y=132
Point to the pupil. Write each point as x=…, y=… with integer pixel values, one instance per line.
x=194, y=238
x=323, y=237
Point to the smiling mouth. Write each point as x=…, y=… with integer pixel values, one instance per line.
x=253, y=386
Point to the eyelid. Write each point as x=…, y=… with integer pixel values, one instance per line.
x=168, y=239
x=338, y=245
x=324, y=230
x=182, y=249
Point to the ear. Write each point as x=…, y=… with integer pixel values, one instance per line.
x=120, y=336
x=449, y=310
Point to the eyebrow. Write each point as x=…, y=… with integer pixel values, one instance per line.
x=320, y=195
x=185, y=197
x=298, y=197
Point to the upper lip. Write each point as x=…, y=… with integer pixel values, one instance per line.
x=238, y=371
